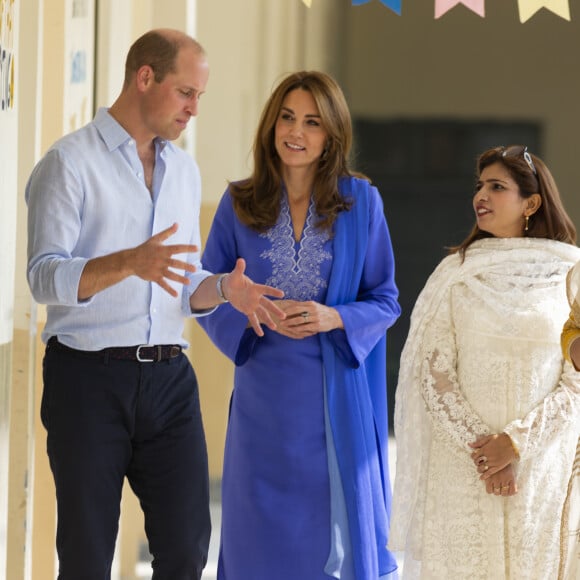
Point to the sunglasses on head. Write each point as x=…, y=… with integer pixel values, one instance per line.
x=516, y=151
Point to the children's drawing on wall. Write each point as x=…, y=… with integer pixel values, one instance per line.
x=79, y=63
x=7, y=9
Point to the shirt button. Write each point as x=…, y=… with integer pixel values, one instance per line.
x=139, y=174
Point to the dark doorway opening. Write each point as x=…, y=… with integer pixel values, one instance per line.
x=425, y=172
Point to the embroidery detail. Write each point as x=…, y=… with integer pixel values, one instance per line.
x=296, y=271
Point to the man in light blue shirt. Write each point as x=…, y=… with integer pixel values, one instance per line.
x=114, y=253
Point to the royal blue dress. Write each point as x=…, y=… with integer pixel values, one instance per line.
x=305, y=489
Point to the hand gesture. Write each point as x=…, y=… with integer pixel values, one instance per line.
x=153, y=261
x=250, y=298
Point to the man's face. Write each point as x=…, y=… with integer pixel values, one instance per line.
x=167, y=106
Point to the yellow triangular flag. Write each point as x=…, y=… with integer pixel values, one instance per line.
x=529, y=7
x=308, y=3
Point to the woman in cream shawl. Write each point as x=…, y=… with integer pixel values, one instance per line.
x=570, y=560
x=487, y=411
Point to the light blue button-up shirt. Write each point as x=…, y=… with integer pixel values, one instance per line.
x=87, y=198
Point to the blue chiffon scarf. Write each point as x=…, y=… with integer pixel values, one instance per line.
x=356, y=418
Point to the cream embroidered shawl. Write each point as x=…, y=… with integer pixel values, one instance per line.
x=483, y=356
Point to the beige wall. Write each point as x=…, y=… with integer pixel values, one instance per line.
x=251, y=44
x=463, y=66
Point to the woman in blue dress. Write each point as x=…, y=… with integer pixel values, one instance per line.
x=305, y=490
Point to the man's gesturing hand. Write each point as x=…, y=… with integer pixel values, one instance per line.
x=250, y=298
x=153, y=261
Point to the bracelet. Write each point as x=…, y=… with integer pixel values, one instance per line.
x=219, y=288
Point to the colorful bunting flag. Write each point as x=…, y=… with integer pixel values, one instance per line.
x=442, y=6
x=394, y=5
x=529, y=7
x=308, y=3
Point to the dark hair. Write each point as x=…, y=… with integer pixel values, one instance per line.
x=550, y=221
x=157, y=49
x=257, y=199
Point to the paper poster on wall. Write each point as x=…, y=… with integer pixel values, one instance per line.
x=7, y=10
x=8, y=166
x=79, y=63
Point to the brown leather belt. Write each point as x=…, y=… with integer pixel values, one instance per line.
x=139, y=353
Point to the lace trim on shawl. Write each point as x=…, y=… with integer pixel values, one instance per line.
x=427, y=377
x=448, y=408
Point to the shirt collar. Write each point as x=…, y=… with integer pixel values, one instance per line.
x=114, y=135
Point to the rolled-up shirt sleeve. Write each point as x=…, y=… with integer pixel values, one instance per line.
x=54, y=199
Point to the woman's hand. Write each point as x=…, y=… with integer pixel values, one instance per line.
x=492, y=453
x=502, y=483
x=305, y=318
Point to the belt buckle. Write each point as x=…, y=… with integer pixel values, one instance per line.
x=138, y=354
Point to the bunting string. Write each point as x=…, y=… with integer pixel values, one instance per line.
x=527, y=8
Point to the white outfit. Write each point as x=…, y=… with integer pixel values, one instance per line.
x=483, y=356
x=570, y=561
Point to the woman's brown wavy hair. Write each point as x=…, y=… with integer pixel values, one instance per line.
x=550, y=221
x=257, y=199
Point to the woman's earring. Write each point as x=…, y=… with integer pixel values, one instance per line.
x=527, y=224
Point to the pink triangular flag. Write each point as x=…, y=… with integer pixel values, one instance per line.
x=443, y=6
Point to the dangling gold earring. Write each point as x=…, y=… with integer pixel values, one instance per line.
x=527, y=224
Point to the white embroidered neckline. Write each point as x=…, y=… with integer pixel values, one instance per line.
x=296, y=265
